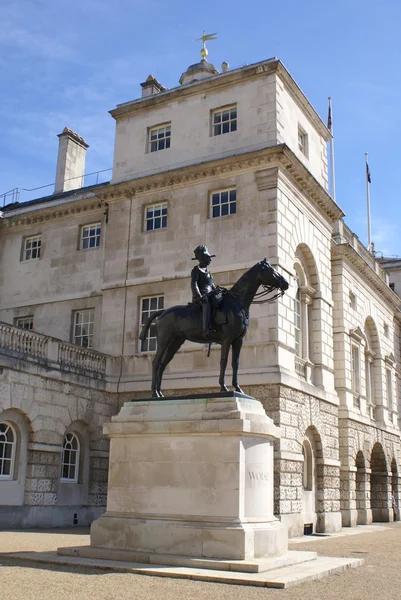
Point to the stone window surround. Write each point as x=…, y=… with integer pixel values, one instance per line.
x=69, y=492
x=307, y=293
x=12, y=491
x=152, y=219
x=97, y=229
x=160, y=142
x=231, y=204
x=217, y=123
x=353, y=300
x=72, y=436
x=8, y=427
x=303, y=144
x=31, y=244
x=370, y=382
x=145, y=313
x=307, y=469
x=90, y=332
x=23, y=321
x=391, y=399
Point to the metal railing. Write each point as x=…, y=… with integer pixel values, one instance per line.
x=26, y=194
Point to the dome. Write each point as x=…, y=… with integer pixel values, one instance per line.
x=198, y=71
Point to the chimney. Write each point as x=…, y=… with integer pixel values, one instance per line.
x=151, y=86
x=71, y=157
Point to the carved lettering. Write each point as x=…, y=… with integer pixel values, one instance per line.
x=258, y=476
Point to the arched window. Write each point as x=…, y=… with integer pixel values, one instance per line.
x=70, y=458
x=297, y=322
x=307, y=473
x=7, y=450
x=372, y=358
x=302, y=318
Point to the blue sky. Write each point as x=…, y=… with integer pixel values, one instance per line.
x=68, y=62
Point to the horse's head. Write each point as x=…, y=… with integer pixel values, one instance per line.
x=270, y=277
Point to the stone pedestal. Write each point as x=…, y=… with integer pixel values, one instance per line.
x=192, y=477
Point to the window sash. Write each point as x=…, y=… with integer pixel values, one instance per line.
x=90, y=236
x=389, y=388
x=84, y=327
x=24, y=322
x=355, y=378
x=159, y=138
x=149, y=306
x=223, y=203
x=70, y=459
x=32, y=247
x=224, y=120
x=298, y=324
x=7, y=451
x=156, y=216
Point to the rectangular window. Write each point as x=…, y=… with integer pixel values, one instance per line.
x=355, y=379
x=90, y=236
x=24, y=322
x=159, y=138
x=223, y=202
x=156, y=216
x=224, y=120
x=31, y=247
x=302, y=141
x=389, y=389
x=148, y=307
x=83, y=327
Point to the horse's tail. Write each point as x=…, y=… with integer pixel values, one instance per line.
x=145, y=328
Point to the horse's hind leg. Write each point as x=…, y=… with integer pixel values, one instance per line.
x=167, y=357
x=161, y=348
x=236, y=349
x=225, y=349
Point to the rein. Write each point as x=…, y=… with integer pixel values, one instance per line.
x=267, y=289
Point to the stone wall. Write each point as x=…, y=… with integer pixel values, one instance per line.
x=42, y=405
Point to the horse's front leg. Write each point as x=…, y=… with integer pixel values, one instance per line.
x=236, y=350
x=225, y=348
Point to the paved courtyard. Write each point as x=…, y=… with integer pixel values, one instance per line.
x=380, y=577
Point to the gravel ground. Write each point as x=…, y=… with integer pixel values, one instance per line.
x=380, y=577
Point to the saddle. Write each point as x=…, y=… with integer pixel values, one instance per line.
x=218, y=314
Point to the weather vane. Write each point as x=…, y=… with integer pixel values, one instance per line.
x=205, y=38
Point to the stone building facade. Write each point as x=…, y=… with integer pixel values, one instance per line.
x=236, y=160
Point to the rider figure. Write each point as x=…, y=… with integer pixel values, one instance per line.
x=202, y=285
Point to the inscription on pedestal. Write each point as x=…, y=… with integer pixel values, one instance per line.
x=259, y=476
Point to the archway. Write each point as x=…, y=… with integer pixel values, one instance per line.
x=379, y=485
x=362, y=491
x=312, y=452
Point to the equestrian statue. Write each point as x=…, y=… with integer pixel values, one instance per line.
x=216, y=315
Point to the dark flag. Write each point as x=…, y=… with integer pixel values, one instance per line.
x=368, y=177
x=329, y=119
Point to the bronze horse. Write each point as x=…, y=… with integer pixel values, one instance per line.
x=179, y=323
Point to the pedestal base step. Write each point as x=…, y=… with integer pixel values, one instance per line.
x=283, y=577
x=257, y=565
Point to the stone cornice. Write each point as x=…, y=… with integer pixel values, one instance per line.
x=279, y=155
x=44, y=213
x=227, y=79
x=347, y=252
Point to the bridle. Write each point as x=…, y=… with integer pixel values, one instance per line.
x=267, y=289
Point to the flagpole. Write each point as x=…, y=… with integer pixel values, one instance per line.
x=332, y=170
x=368, y=202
